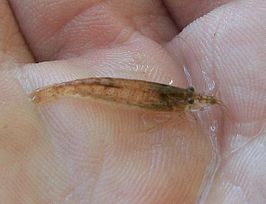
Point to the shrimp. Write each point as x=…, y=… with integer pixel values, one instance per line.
x=137, y=93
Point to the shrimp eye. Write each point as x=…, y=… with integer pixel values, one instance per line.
x=191, y=89
x=190, y=100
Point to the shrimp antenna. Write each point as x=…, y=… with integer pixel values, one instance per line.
x=225, y=109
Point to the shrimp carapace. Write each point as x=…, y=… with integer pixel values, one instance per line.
x=138, y=93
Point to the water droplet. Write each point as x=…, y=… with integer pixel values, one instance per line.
x=213, y=128
x=188, y=76
x=171, y=82
x=209, y=82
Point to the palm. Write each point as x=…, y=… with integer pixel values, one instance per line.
x=77, y=151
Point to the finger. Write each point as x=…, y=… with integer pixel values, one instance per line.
x=221, y=50
x=69, y=28
x=196, y=41
x=13, y=49
x=206, y=61
x=183, y=13
x=240, y=62
x=228, y=47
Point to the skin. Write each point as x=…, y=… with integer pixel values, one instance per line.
x=77, y=151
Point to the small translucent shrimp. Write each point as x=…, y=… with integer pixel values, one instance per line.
x=137, y=93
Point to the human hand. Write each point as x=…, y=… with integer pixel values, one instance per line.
x=80, y=151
